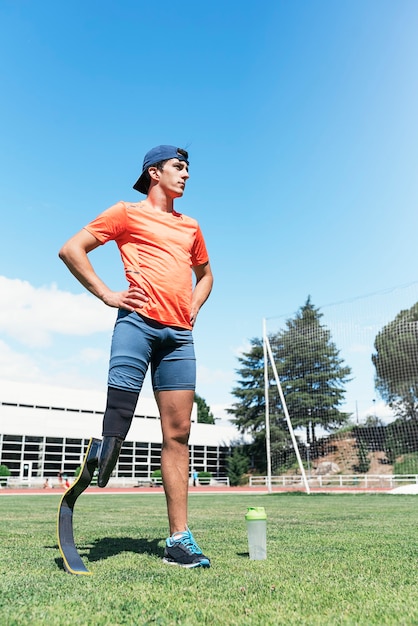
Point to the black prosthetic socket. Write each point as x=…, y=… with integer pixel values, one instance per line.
x=119, y=412
x=116, y=423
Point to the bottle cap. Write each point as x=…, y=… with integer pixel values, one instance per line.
x=255, y=513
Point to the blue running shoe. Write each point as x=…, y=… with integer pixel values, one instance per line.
x=181, y=549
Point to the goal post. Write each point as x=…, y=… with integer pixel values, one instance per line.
x=268, y=358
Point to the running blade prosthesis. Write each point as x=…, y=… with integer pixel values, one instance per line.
x=72, y=560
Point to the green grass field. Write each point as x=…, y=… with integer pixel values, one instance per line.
x=332, y=559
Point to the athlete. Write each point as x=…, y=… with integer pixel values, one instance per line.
x=156, y=314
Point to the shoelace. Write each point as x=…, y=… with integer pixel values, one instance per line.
x=188, y=541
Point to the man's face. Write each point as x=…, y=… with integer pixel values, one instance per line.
x=173, y=177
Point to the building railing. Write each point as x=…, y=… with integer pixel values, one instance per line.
x=365, y=481
x=37, y=482
x=361, y=481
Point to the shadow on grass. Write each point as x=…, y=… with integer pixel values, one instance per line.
x=111, y=546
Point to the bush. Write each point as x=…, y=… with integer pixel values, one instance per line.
x=204, y=478
x=156, y=473
x=363, y=465
x=4, y=471
x=407, y=464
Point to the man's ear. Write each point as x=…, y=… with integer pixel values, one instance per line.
x=154, y=173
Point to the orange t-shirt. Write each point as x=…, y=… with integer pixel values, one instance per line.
x=158, y=250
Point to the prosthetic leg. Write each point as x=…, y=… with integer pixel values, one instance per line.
x=104, y=455
x=72, y=560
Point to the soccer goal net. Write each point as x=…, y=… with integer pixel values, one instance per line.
x=341, y=391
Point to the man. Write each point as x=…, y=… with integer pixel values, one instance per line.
x=154, y=324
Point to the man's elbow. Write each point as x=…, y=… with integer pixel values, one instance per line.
x=69, y=252
x=63, y=253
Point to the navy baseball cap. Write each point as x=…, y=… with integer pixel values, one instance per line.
x=160, y=153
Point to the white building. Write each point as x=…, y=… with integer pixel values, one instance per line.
x=45, y=430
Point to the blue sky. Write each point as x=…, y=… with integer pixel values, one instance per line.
x=300, y=121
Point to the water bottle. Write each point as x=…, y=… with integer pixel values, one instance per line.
x=256, y=519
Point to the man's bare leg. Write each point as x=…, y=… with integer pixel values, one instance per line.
x=175, y=411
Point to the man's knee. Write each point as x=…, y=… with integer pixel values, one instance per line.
x=178, y=433
x=182, y=436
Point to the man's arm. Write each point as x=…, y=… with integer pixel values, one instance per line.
x=203, y=287
x=75, y=252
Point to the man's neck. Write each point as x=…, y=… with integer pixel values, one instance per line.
x=159, y=201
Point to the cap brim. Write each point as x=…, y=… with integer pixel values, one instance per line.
x=140, y=184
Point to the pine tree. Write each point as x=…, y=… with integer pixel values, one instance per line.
x=249, y=411
x=204, y=414
x=236, y=466
x=311, y=372
x=312, y=376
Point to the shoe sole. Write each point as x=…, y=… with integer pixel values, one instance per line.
x=186, y=565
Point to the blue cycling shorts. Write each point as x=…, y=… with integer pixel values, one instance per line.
x=138, y=342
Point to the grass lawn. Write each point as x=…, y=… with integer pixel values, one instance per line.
x=332, y=559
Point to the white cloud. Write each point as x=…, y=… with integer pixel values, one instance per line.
x=220, y=414
x=17, y=366
x=32, y=315
x=380, y=410
x=239, y=351
x=67, y=370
